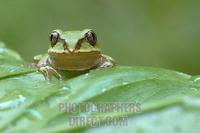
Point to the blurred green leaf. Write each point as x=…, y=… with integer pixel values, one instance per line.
x=168, y=101
x=11, y=63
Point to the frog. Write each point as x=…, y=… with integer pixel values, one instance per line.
x=72, y=52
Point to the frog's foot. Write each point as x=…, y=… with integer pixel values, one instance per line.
x=48, y=72
x=35, y=63
x=36, y=59
x=106, y=62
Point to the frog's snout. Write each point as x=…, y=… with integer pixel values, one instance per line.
x=66, y=48
x=71, y=49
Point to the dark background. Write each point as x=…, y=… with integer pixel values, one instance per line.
x=135, y=32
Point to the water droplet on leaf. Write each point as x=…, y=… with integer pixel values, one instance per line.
x=104, y=90
x=125, y=83
x=64, y=90
x=197, y=79
x=34, y=113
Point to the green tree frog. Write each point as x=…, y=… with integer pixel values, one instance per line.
x=72, y=51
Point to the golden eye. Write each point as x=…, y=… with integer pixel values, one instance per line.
x=91, y=37
x=54, y=38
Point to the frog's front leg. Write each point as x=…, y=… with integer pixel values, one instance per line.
x=49, y=72
x=41, y=62
x=106, y=61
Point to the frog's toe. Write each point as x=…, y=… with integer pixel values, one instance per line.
x=106, y=61
x=48, y=72
x=107, y=64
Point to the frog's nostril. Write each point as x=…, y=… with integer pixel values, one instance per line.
x=77, y=47
x=66, y=48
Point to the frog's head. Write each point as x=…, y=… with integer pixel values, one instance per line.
x=73, y=50
x=73, y=41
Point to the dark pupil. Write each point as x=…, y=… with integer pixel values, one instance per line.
x=53, y=39
x=92, y=38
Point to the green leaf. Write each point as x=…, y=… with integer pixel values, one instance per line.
x=8, y=56
x=11, y=63
x=164, y=100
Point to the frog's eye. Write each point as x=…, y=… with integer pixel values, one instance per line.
x=54, y=38
x=91, y=38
